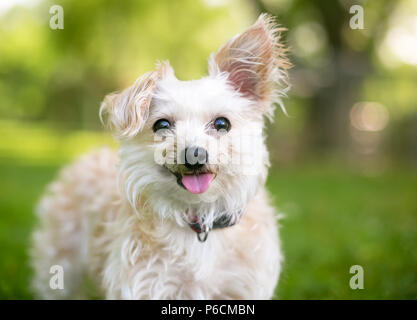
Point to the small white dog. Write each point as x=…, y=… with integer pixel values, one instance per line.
x=181, y=212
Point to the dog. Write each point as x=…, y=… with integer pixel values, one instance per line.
x=181, y=210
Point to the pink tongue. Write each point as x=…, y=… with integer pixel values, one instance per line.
x=197, y=183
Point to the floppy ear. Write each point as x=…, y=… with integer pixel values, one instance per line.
x=126, y=112
x=255, y=63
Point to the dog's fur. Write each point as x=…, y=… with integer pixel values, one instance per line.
x=121, y=220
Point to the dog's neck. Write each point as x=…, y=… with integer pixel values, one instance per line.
x=202, y=229
x=201, y=219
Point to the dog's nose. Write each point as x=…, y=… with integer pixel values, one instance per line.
x=195, y=157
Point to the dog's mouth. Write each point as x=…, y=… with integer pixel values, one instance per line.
x=195, y=182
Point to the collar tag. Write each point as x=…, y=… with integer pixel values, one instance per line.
x=224, y=221
x=202, y=236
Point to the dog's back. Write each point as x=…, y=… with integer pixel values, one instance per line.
x=67, y=213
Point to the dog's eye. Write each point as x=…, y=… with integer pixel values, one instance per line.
x=161, y=124
x=221, y=123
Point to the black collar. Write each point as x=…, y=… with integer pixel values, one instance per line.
x=224, y=221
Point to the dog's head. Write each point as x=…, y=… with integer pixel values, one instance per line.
x=197, y=147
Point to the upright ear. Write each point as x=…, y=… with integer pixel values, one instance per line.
x=126, y=112
x=255, y=63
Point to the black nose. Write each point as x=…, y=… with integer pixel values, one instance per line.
x=195, y=157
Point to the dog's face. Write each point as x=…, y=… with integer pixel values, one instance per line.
x=197, y=146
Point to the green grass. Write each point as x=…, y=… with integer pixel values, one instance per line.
x=334, y=218
x=20, y=187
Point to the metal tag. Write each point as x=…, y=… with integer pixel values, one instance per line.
x=202, y=236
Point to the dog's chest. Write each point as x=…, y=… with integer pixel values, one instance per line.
x=184, y=268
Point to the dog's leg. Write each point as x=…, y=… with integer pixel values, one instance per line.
x=251, y=267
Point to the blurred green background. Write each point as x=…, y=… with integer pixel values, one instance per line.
x=344, y=168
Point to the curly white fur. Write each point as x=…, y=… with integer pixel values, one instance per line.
x=120, y=220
